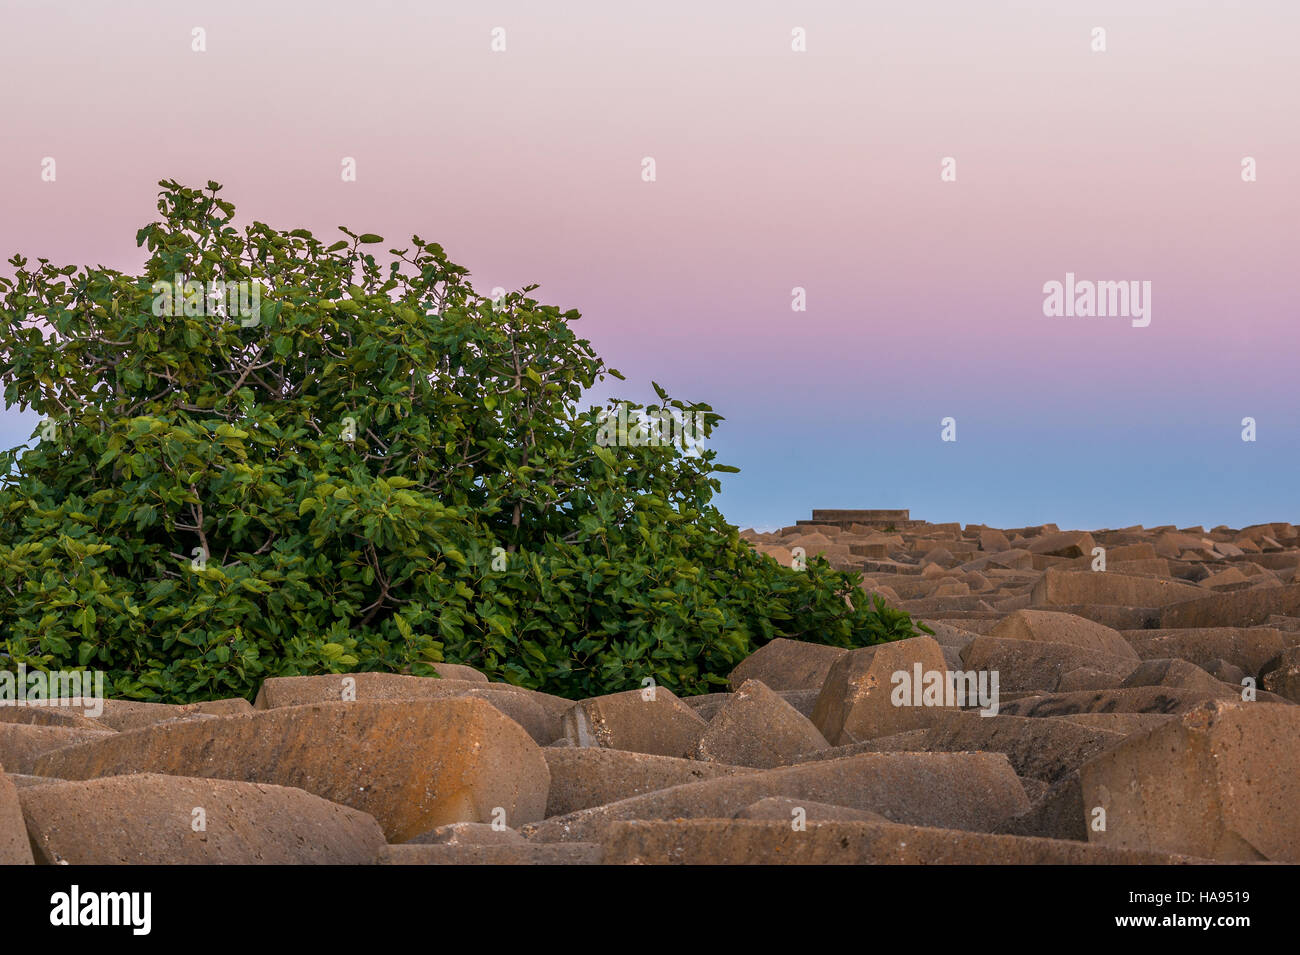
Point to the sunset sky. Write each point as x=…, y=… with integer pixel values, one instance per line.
x=775, y=169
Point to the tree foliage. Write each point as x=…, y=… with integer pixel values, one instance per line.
x=378, y=470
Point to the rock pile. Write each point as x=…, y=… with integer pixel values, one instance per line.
x=1117, y=696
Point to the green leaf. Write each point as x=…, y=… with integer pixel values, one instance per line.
x=356, y=450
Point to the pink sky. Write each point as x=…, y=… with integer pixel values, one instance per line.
x=775, y=169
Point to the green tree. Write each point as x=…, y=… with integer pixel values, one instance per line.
x=334, y=463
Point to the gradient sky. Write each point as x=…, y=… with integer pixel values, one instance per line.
x=775, y=169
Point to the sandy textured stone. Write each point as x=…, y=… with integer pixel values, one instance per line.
x=783, y=664
x=538, y=713
x=1046, y=749
x=583, y=777
x=14, y=846
x=805, y=701
x=758, y=728
x=1063, y=544
x=1121, y=618
x=1243, y=609
x=468, y=834
x=151, y=820
x=993, y=540
x=1058, y=588
x=756, y=842
x=1024, y=665
x=955, y=790
x=1222, y=781
x=1130, y=552
x=857, y=701
x=1172, y=544
x=1049, y=627
x=782, y=555
x=125, y=715
x=459, y=671
x=909, y=741
x=1180, y=674
x=707, y=705
x=1225, y=672
x=796, y=811
x=1159, y=567
x=1281, y=675
x=1231, y=577
x=1040, y=750
x=1123, y=723
x=1247, y=648
x=22, y=744
x=47, y=715
x=1137, y=699
x=1087, y=678
x=526, y=854
x=412, y=764
x=652, y=721
x=1056, y=814
x=948, y=635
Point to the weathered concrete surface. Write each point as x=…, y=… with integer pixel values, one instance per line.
x=412, y=764
x=173, y=820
